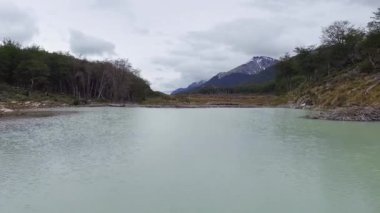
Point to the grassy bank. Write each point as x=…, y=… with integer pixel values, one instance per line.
x=18, y=98
x=349, y=89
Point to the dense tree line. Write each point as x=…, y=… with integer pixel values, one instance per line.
x=35, y=69
x=344, y=48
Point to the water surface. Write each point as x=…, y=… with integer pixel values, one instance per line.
x=190, y=161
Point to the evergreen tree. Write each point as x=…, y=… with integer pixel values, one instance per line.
x=374, y=25
x=32, y=74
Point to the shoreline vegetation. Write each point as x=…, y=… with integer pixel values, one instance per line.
x=32, y=109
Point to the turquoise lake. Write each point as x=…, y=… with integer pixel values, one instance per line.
x=141, y=160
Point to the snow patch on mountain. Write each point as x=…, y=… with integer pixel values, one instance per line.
x=253, y=67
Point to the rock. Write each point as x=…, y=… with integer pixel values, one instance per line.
x=5, y=110
x=36, y=104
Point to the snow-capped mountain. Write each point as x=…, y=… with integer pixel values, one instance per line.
x=254, y=71
x=256, y=65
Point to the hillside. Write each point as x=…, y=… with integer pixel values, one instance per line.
x=342, y=72
x=349, y=89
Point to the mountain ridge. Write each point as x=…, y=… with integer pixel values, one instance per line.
x=242, y=74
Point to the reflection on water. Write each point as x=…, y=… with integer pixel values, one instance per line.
x=188, y=160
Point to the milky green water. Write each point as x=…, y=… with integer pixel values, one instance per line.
x=114, y=160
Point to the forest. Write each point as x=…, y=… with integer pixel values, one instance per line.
x=34, y=69
x=344, y=48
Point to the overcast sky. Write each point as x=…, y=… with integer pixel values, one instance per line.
x=176, y=42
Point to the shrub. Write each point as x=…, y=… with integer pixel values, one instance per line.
x=76, y=102
x=365, y=67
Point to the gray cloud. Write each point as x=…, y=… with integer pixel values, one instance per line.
x=373, y=3
x=284, y=4
x=82, y=44
x=197, y=40
x=16, y=23
x=107, y=3
x=249, y=36
x=271, y=29
x=142, y=31
x=195, y=64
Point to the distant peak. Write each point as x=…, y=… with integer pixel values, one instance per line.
x=256, y=65
x=196, y=84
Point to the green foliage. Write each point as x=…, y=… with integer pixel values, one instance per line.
x=10, y=57
x=32, y=73
x=33, y=68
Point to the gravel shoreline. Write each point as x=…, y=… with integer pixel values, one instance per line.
x=40, y=113
x=363, y=114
